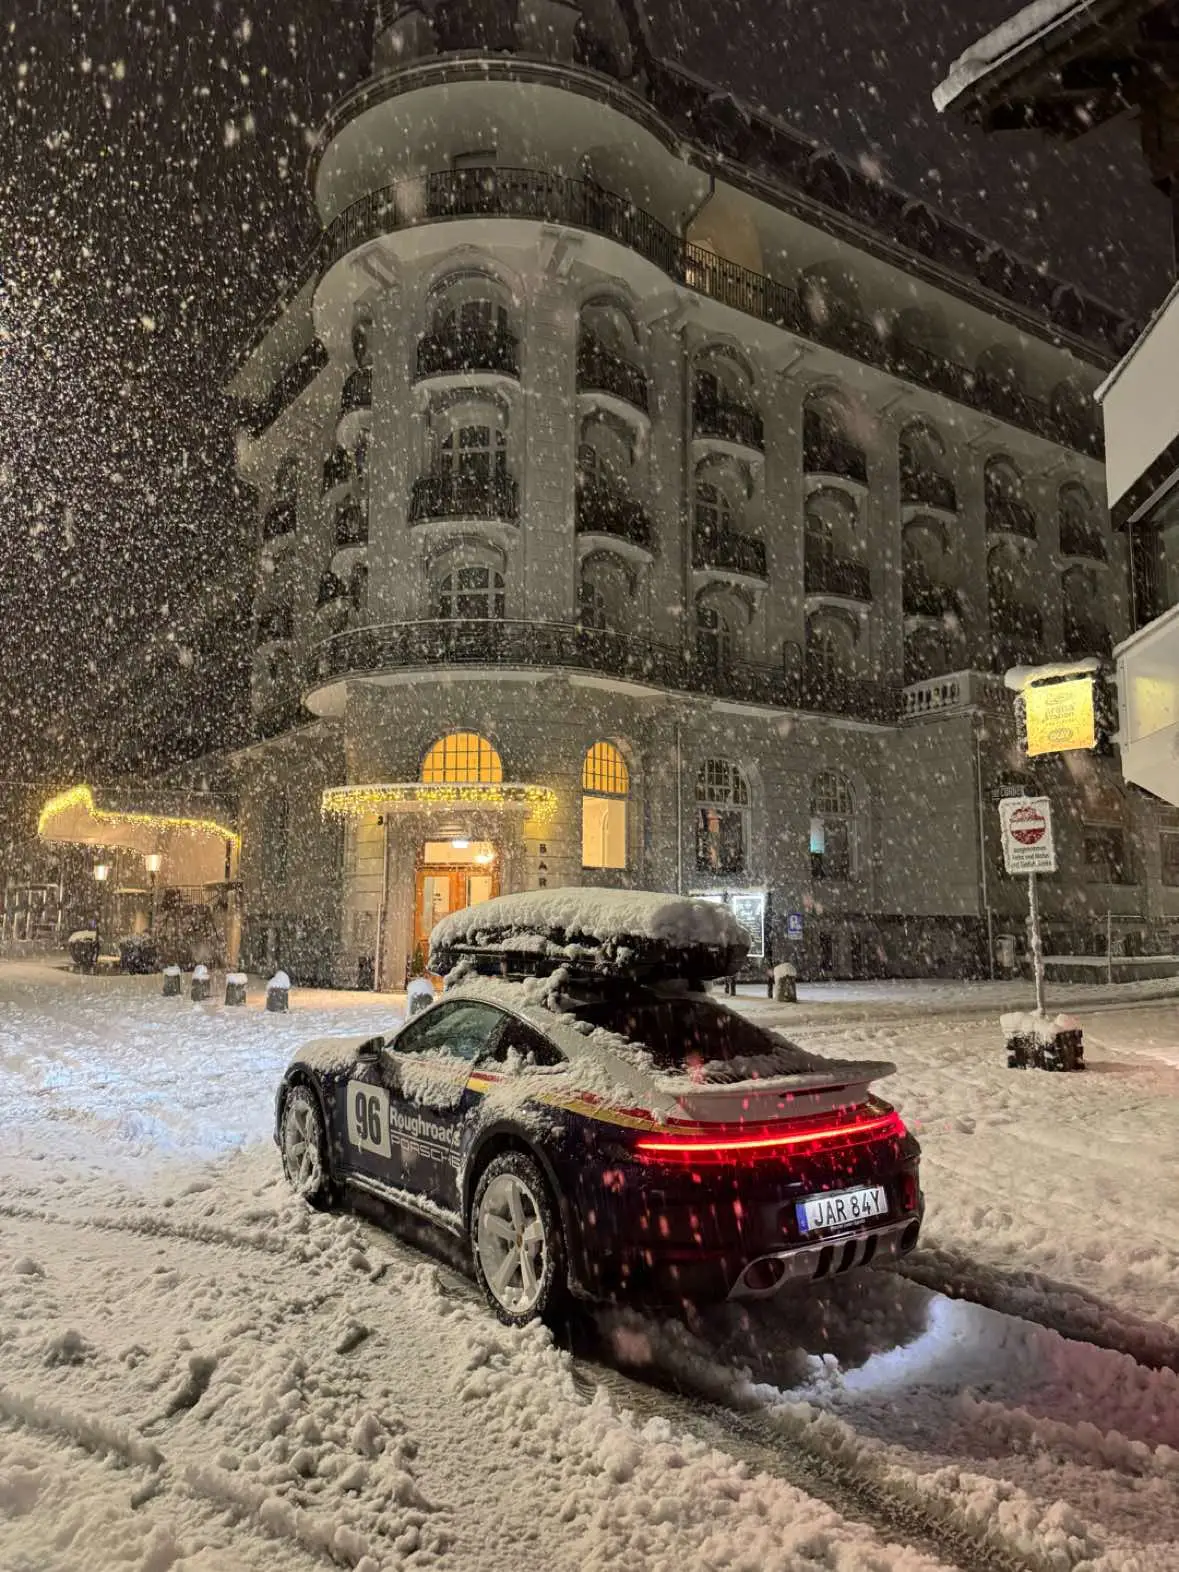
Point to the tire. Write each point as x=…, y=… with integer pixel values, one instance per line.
x=304, y=1147
x=517, y=1241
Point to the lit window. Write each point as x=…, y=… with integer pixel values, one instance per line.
x=462, y=758
x=832, y=837
x=722, y=818
x=605, y=784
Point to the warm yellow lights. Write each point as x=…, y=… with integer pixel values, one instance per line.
x=83, y=797
x=356, y=802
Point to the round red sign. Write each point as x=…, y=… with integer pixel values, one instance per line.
x=1027, y=826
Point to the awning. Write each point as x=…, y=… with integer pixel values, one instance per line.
x=357, y=802
x=193, y=832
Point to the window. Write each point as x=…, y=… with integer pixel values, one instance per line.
x=714, y=509
x=605, y=784
x=722, y=818
x=694, y=1034
x=832, y=838
x=1169, y=856
x=605, y=595
x=518, y=1047
x=1106, y=860
x=475, y=593
x=475, y=453
x=715, y=642
x=278, y=838
x=362, y=349
x=830, y=647
x=452, y=1031
x=462, y=758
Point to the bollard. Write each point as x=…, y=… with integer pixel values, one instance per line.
x=278, y=993
x=201, y=986
x=171, y=982
x=1036, y=1043
x=419, y=995
x=785, y=984
x=235, y=988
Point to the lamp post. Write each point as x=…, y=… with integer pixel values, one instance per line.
x=102, y=873
x=153, y=863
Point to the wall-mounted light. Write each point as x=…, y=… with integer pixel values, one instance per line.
x=484, y=858
x=153, y=862
x=102, y=872
x=460, y=845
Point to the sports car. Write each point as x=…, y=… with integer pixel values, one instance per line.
x=591, y=1122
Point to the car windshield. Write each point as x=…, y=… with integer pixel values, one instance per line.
x=693, y=1036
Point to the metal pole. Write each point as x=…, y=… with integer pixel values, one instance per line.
x=982, y=856
x=1037, y=943
x=1109, y=946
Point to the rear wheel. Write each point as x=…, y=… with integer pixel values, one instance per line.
x=517, y=1241
x=304, y=1147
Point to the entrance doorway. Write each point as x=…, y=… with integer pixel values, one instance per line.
x=451, y=876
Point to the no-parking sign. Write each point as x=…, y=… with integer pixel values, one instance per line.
x=1027, y=835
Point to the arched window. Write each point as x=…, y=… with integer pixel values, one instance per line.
x=474, y=454
x=715, y=513
x=925, y=468
x=473, y=593
x=470, y=307
x=462, y=759
x=722, y=818
x=717, y=642
x=830, y=646
x=360, y=456
x=833, y=843
x=362, y=348
x=286, y=480
x=829, y=446
x=605, y=785
x=605, y=594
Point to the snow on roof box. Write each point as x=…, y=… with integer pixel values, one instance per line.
x=626, y=932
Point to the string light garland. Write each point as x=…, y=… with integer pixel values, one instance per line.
x=83, y=797
x=355, y=802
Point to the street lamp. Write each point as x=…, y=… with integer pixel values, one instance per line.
x=153, y=863
x=102, y=873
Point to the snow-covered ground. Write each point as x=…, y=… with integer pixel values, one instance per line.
x=197, y=1373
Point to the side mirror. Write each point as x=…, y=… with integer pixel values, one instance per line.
x=370, y=1051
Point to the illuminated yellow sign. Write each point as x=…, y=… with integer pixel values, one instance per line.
x=1060, y=716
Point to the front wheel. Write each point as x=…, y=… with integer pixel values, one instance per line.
x=517, y=1242
x=304, y=1147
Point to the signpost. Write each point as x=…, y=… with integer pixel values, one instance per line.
x=1060, y=716
x=1028, y=847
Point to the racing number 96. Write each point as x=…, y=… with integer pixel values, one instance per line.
x=367, y=1113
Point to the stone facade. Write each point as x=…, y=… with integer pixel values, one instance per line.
x=567, y=440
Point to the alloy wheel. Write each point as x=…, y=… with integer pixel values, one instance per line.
x=512, y=1245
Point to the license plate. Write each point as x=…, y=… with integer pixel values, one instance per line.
x=840, y=1209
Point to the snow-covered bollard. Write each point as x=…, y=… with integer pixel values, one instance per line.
x=419, y=995
x=1036, y=1043
x=784, y=983
x=278, y=993
x=171, y=982
x=201, y=986
x=235, y=988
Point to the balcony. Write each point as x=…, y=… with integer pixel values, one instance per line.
x=455, y=353
x=728, y=421
x=600, y=370
x=609, y=510
x=1085, y=636
x=926, y=488
x=426, y=646
x=279, y=520
x=338, y=468
x=953, y=694
x=437, y=497
x=838, y=577
x=351, y=524
x=1011, y=516
x=1079, y=538
x=828, y=452
x=729, y=552
x=358, y=391
x=923, y=598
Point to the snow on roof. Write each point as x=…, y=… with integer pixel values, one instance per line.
x=599, y=927
x=1017, y=32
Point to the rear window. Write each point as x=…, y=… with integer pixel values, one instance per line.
x=693, y=1036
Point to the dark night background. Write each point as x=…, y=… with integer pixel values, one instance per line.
x=151, y=195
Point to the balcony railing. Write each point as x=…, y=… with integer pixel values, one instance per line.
x=728, y=421
x=425, y=645
x=828, y=452
x=836, y=576
x=351, y=524
x=337, y=468
x=583, y=204
x=464, y=497
x=608, y=510
x=457, y=350
x=279, y=520
x=600, y=370
x=923, y=598
x=926, y=488
x=726, y=551
x=1011, y=516
x=1085, y=636
x=1081, y=539
x=358, y=391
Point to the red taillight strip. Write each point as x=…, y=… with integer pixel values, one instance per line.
x=886, y=1125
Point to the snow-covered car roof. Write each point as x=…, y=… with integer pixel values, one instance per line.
x=626, y=931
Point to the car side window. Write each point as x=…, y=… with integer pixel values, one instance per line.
x=521, y=1047
x=462, y=1030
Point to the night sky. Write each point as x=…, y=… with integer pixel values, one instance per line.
x=151, y=196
